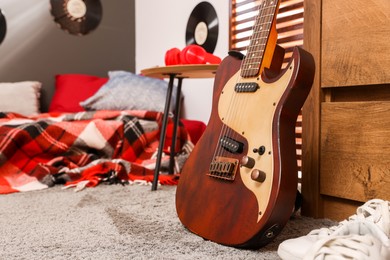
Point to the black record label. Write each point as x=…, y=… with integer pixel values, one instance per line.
x=77, y=17
x=202, y=27
x=3, y=27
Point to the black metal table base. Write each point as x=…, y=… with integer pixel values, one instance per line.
x=164, y=129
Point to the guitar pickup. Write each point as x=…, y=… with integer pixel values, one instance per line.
x=231, y=145
x=246, y=87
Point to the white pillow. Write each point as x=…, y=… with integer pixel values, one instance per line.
x=20, y=97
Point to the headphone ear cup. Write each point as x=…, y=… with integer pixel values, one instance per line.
x=184, y=55
x=195, y=54
x=212, y=59
x=191, y=54
x=172, y=57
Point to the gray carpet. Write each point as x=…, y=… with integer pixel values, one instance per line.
x=114, y=222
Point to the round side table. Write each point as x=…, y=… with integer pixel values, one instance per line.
x=175, y=72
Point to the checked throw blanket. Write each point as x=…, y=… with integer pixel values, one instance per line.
x=83, y=149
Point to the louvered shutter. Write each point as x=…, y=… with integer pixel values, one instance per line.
x=290, y=33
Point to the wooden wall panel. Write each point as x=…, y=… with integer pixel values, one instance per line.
x=355, y=150
x=355, y=42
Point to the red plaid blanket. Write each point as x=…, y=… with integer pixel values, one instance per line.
x=83, y=149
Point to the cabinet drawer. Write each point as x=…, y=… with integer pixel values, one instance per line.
x=355, y=150
x=355, y=42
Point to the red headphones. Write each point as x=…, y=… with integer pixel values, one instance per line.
x=191, y=54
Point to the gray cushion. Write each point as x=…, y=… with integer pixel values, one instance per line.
x=127, y=91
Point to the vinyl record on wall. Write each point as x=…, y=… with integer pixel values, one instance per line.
x=3, y=26
x=78, y=17
x=202, y=27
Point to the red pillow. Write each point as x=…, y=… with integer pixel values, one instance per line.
x=71, y=89
x=195, y=129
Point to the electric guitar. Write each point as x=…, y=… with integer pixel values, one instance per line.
x=239, y=184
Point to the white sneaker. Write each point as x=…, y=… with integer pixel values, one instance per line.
x=375, y=211
x=362, y=247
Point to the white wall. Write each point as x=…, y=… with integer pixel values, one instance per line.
x=160, y=26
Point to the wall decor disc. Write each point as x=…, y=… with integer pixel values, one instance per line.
x=202, y=27
x=3, y=26
x=78, y=17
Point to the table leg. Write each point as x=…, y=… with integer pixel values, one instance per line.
x=176, y=123
x=163, y=131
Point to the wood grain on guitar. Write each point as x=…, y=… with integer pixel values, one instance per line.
x=238, y=186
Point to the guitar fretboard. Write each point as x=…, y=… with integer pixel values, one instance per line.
x=261, y=30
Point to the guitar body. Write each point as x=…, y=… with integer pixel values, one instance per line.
x=221, y=196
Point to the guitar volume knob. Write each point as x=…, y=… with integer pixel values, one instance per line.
x=248, y=162
x=258, y=175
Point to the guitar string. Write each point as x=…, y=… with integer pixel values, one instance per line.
x=260, y=38
x=239, y=102
x=250, y=65
x=245, y=70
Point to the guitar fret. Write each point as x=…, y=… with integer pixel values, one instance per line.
x=265, y=23
x=265, y=37
x=270, y=15
x=259, y=44
x=250, y=71
x=250, y=64
x=253, y=58
x=261, y=38
x=254, y=52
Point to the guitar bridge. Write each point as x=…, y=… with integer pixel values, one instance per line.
x=223, y=168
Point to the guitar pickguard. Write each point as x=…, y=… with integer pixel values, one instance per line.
x=251, y=114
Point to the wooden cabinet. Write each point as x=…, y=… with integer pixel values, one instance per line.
x=346, y=119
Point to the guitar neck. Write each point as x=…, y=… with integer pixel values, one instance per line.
x=260, y=39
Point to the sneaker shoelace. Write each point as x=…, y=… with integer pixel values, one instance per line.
x=344, y=247
x=375, y=210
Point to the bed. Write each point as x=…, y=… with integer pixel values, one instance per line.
x=97, y=130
